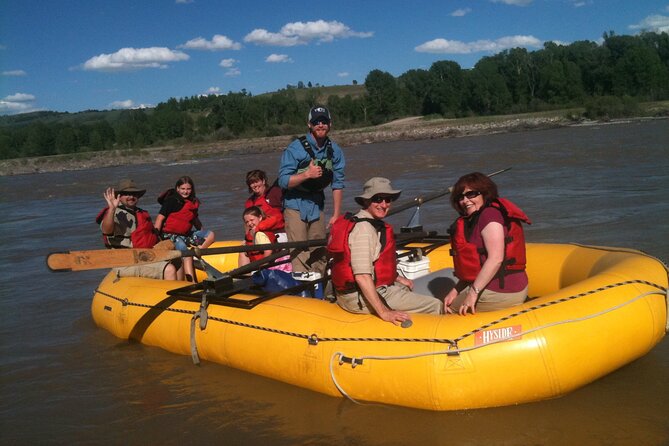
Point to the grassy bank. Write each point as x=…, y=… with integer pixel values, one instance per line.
x=415, y=128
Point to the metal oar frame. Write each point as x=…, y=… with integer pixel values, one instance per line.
x=221, y=288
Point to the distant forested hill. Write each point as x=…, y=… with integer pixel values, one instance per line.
x=608, y=79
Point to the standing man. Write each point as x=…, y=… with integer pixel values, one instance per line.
x=124, y=225
x=310, y=164
x=364, y=261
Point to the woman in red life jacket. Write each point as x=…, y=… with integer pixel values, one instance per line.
x=253, y=219
x=178, y=221
x=269, y=199
x=488, y=248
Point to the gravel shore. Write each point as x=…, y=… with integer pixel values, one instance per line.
x=401, y=130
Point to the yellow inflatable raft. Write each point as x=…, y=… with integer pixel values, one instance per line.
x=592, y=311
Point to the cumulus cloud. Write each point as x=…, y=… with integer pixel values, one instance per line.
x=227, y=63
x=14, y=73
x=443, y=46
x=217, y=43
x=302, y=33
x=278, y=58
x=17, y=103
x=184, y=2
x=127, y=59
x=656, y=23
x=461, y=12
x=514, y=2
x=215, y=91
x=232, y=72
x=343, y=74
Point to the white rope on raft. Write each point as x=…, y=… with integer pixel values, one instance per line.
x=356, y=361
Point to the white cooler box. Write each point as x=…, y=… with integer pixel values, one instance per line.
x=413, y=269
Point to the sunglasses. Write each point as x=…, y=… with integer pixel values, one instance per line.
x=380, y=198
x=320, y=121
x=130, y=194
x=469, y=194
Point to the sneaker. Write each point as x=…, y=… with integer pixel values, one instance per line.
x=298, y=275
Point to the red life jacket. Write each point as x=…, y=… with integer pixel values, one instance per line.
x=467, y=257
x=273, y=220
x=385, y=267
x=181, y=221
x=257, y=255
x=143, y=236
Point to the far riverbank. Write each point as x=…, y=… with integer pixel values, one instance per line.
x=416, y=128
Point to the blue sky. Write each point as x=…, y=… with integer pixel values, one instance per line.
x=74, y=55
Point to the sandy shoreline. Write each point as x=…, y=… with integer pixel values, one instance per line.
x=403, y=129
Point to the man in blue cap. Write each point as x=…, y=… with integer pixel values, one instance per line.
x=309, y=165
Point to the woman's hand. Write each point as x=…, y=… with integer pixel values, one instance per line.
x=470, y=302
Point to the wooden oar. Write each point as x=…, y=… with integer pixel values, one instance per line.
x=113, y=258
x=425, y=198
x=107, y=258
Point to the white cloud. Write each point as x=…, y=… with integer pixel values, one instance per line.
x=461, y=12
x=278, y=58
x=443, y=46
x=301, y=33
x=184, y=2
x=14, y=73
x=217, y=43
x=343, y=74
x=20, y=97
x=11, y=108
x=17, y=103
x=128, y=104
x=514, y=2
x=232, y=72
x=213, y=91
x=227, y=63
x=656, y=23
x=127, y=59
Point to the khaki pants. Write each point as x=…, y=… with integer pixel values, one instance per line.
x=313, y=259
x=491, y=300
x=149, y=270
x=397, y=297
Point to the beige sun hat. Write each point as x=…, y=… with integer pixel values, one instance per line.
x=127, y=185
x=377, y=186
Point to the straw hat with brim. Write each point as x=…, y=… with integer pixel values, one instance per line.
x=377, y=186
x=129, y=186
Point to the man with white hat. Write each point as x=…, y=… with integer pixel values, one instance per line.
x=124, y=225
x=364, y=261
x=309, y=165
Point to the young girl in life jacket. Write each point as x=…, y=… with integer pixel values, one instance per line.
x=178, y=221
x=253, y=216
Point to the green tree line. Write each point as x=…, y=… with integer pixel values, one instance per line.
x=606, y=78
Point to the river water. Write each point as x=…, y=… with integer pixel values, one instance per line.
x=63, y=380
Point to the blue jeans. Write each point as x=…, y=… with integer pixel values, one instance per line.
x=182, y=242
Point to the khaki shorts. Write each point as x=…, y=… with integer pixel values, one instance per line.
x=150, y=270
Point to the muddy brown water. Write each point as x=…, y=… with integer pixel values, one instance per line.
x=63, y=380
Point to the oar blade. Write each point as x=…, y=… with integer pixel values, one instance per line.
x=109, y=258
